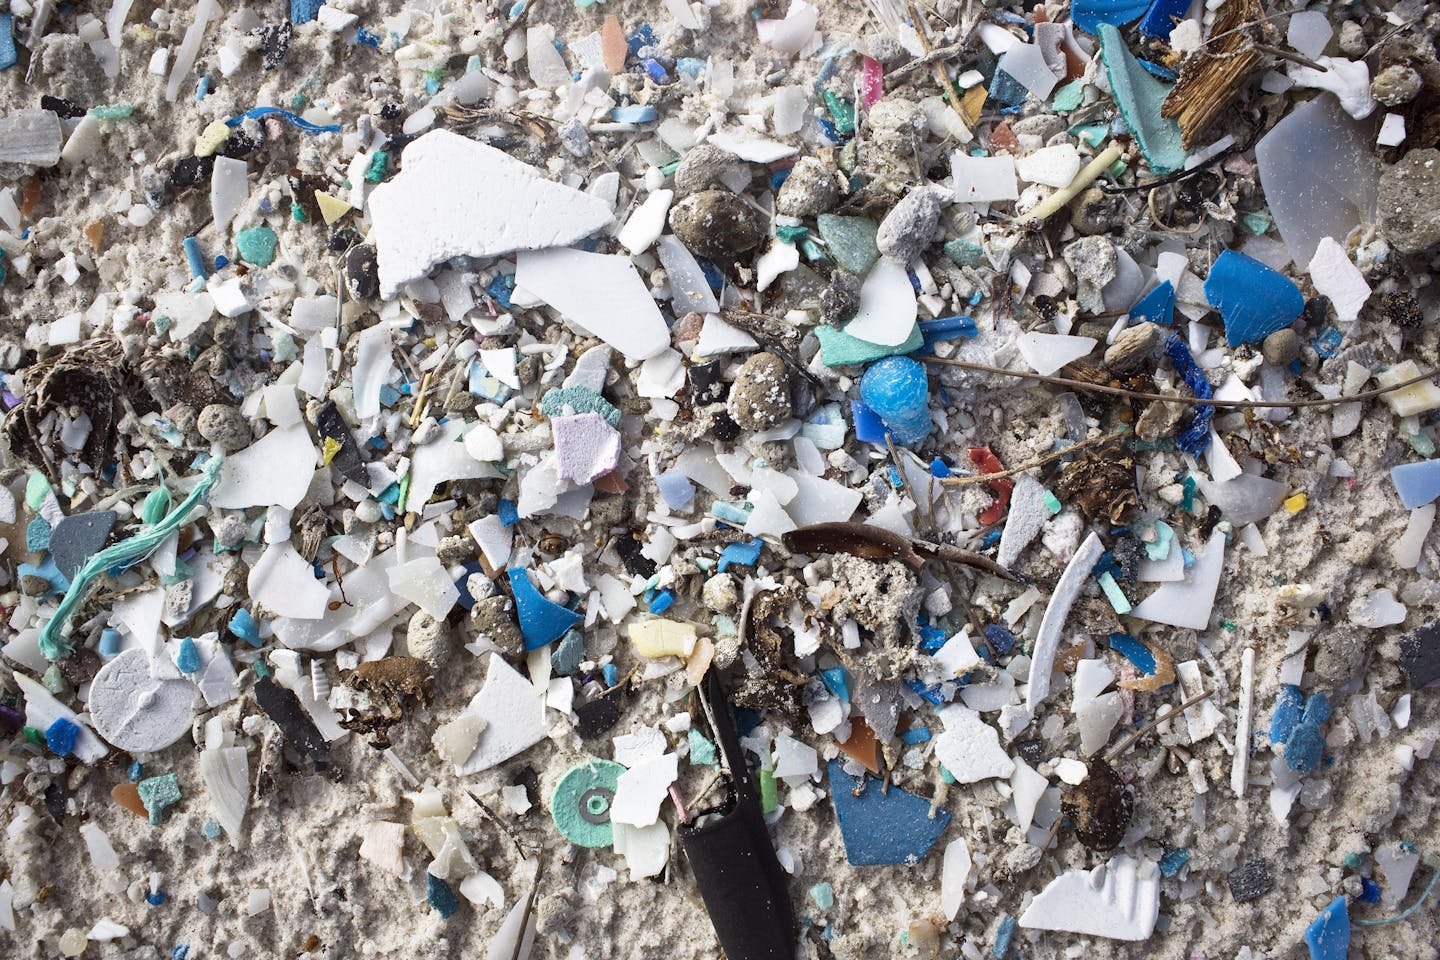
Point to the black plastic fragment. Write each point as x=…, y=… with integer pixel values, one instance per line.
x=733, y=859
x=706, y=385
x=274, y=41
x=191, y=171
x=332, y=427
x=65, y=108
x=284, y=707
x=599, y=714
x=362, y=273
x=636, y=562
x=1420, y=655
x=1249, y=881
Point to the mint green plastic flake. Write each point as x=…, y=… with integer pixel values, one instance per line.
x=157, y=793
x=1139, y=95
x=256, y=246
x=702, y=751
x=580, y=399
x=378, y=164
x=851, y=241
x=839, y=349
x=963, y=253
x=112, y=111
x=1070, y=96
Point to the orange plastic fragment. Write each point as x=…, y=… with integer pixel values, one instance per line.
x=1003, y=138
x=30, y=197
x=862, y=747
x=95, y=234
x=611, y=482
x=128, y=797
x=613, y=46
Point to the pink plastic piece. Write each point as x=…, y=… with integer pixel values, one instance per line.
x=872, y=82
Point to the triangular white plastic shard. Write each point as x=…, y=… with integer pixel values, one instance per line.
x=42, y=709
x=887, y=306
x=747, y=146
x=274, y=471
x=970, y=748
x=284, y=583
x=646, y=223
x=818, y=500
x=514, y=714
x=516, y=936
x=458, y=197
x=1027, y=786
x=1119, y=900
x=601, y=294
x=1067, y=588
x=1188, y=602
x=226, y=773
x=1048, y=352
x=442, y=458
x=689, y=290
x=957, y=655
x=953, y=873
x=1026, y=519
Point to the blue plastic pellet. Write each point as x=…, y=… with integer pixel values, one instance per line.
x=109, y=642
x=837, y=682
x=194, y=257
x=897, y=390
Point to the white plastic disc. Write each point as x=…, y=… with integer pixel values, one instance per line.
x=138, y=712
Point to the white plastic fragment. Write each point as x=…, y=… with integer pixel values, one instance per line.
x=383, y=844
x=1336, y=276
x=1119, y=900
x=957, y=655
x=1204, y=718
x=601, y=294
x=1188, y=602
x=1027, y=786
x=954, y=871
x=1053, y=166
x=42, y=709
x=1406, y=550
x=494, y=539
x=983, y=179
x=226, y=774
x=642, y=789
x=1047, y=641
x=646, y=223
x=749, y=147
x=1025, y=520
x=1048, y=352
x=1244, y=724
x=426, y=583
x=1392, y=131
x=102, y=853
x=887, y=306
x=442, y=458
x=229, y=190
x=718, y=337
x=205, y=10
x=481, y=889
x=1397, y=863
x=793, y=34
x=645, y=849
x=689, y=290
x=794, y=758
x=1380, y=609
x=970, y=748
x=274, y=471
x=459, y=197
x=514, y=714
x=1349, y=80
x=30, y=136
x=284, y=582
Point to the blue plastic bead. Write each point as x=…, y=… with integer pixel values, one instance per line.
x=1253, y=300
x=1328, y=937
x=541, y=621
x=156, y=898
x=897, y=389
x=109, y=642
x=61, y=735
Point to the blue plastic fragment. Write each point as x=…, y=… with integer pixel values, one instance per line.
x=947, y=328
x=136, y=772
x=156, y=898
x=1317, y=709
x=294, y=119
x=193, y=257
x=47, y=571
x=1172, y=860
x=462, y=584
x=1253, y=300
x=676, y=489
x=61, y=735
x=869, y=428
x=655, y=70
x=1369, y=890
x=837, y=682
x=1004, y=934
x=187, y=660
x=1417, y=483
x=243, y=625
x=1000, y=639
x=1007, y=90
x=931, y=693
x=109, y=642
x=1327, y=344
x=303, y=11
x=932, y=638
x=1162, y=16
x=1195, y=437
x=8, y=56
x=743, y=554
x=611, y=673
x=367, y=38
x=211, y=829
x=37, y=535
x=1157, y=306
x=634, y=113
x=1286, y=715
x=441, y=897
x=1155, y=69
x=897, y=390
x=1134, y=651
x=644, y=36
x=509, y=516
x=1089, y=14
x=916, y=735
x=662, y=601
x=568, y=653
x=939, y=468
x=541, y=621
x=1305, y=744
x=881, y=827
x=1328, y=936
x=501, y=289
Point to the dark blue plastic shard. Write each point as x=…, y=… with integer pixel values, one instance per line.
x=1253, y=300
x=541, y=621
x=883, y=827
x=1089, y=14
x=1157, y=306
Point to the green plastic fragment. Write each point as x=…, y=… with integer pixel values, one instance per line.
x=297, y=101
x=790, y=234
x=53, y=680
x=1256, y=223
x=35, y=489
x=379, y=163
x=297, y=212
x=157, y=793
x=1117, y=169
x=1227, y=625
x=257, y=246
x=1187, y=503
x=1421, y=444
x=841, y=111
x=670, y=168
x=839, y=349
x=261, y=668
x=580, y=399
x=1069, y=97
x=580, y=805
x=1091, y=134
x=702, y=751
x=851, y=241
x=823, y=894
x=34, y=736
x=1353, y=861
x=1113, y=594
x=946, y=775
x=112, y=111
x=812, y=251
x=1139, y=95
x=1159, y=549
x=1052, y=503
x=769, y=800
x=963, y=253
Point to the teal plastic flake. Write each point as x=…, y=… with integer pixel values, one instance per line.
x=840, y=349
x=1139, y=95
x=580, y=399
x=1113, y=594
x=1070, y=96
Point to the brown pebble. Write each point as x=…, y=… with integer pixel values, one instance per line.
x=760, y=398
x=1281, y=347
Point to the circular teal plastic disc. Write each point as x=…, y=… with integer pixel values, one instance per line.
x=580, y=805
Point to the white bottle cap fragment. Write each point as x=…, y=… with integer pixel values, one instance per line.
x=136, y=710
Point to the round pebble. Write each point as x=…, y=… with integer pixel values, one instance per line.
x=225, y=426
x=809, y=190
x=1281, y=347
x=716, y=225
x=702, y=168
x=760, y=398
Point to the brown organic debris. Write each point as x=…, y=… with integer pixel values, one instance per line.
x=1102, y=486
x=385, y=689
x=1209, y=82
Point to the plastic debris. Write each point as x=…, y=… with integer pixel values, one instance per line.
x=881, y=827
x=1118, y=900
x=1328, y=936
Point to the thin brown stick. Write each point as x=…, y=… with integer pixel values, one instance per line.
x=1115, y=751
x=1032, y=464
x=1176, y=398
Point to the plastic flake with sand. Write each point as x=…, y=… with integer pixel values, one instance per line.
x=1188, y=603
x=883, y=826
x=887, y=306
x=601, y=294
x=970, y=748
x=273, y=471
x=514, y=715
x=1119, y=900
x=457, y=197
x=1048, y=352
x=1139, y=95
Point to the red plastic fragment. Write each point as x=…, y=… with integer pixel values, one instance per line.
x=872, y=82
x=987, y=462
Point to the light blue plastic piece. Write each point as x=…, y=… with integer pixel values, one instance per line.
x=1417, y=483
x=881, y=826
x=676, y=488
x=634, y=114
x=1139, y=97
x=897, y=390
x=1089, y=14
x=1253, y=300
x=541, y=621
x=1328, y=937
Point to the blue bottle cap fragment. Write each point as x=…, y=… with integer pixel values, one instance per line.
x=541, y=620
x=869, y=428
x=441, y=897
x=1157, y=306
x=1305, y=744
x=878, y=827
x=1161, y=18
x=1328, y=936
x=1417, y=483
x=580, y=805
x=61, y=735
x=76, y=539
x=897, y=389
x=1134, y=651
x=743, y=554
x=1089, y=14
x=1253, y=300
x=1288, y=704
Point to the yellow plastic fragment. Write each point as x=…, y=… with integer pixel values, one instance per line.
x=328, y=449
x=1408, y=401
x=210, y=139
x=662, y=638
x=331, y=208
x=1296, y=503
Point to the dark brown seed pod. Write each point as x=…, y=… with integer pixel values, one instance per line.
x=1100, y=807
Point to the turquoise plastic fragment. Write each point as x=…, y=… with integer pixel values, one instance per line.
x=37, y=535
x=840, y=349
x=1069, y=97
x=565, y=659
x=702, y=751
x=541, y=621
x=851, y=241
x=1140, y=97
x=742, y=554
x=1328, y=936
x=1157, y=306
x=187, y=660
x=580, y=399
x=898, y=391
x=61, y=735
x=157, y=793
x=1417, y=483
x=823, y=894
x=441, y=897
x=8, y=55
x=880, y=826
x=1088, y=15
x=256, y=246
x=963, y=253
x=837, y=682
x=1162, y=16
x=1253, y=300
